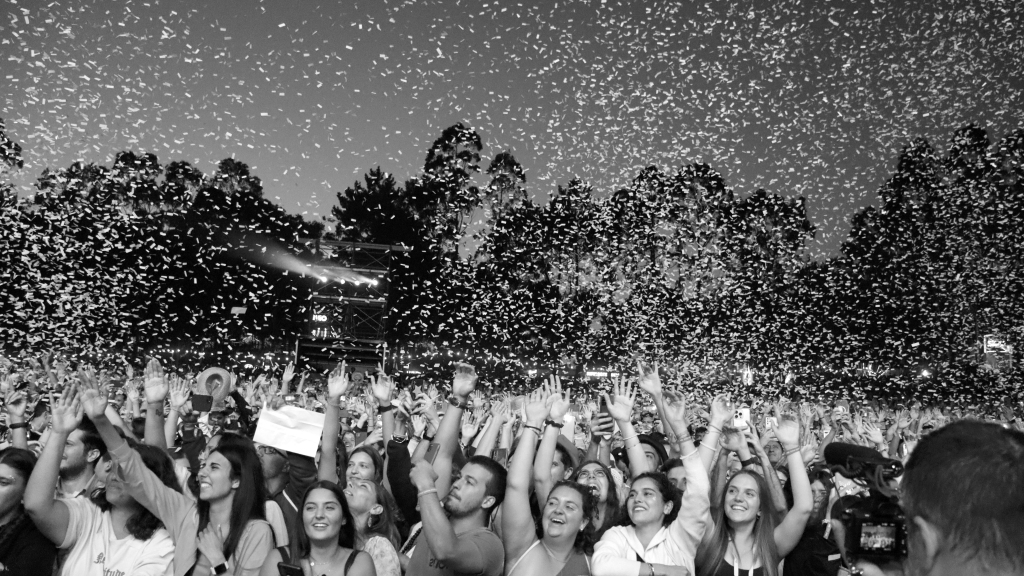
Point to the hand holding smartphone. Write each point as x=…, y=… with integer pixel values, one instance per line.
x=741, y=418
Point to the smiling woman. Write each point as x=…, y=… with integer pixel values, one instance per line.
x=326, y=540
x=102, y=534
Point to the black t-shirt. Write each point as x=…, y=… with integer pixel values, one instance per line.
x=24, y=550
x=814, y=555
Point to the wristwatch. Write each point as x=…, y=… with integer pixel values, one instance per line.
x=221, y=568
x=454, y=401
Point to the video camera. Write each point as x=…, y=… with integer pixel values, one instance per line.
x=876, y=528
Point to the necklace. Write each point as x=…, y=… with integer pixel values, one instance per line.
x=327, y=569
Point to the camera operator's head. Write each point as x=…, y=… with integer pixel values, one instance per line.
x=963, y=494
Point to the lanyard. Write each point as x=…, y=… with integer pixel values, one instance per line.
x=736, y=566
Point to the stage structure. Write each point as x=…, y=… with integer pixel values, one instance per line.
x=348, y=316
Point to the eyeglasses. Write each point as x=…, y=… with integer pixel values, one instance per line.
x=594, y=475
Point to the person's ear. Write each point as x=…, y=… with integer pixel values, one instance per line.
x=568, y=473
x=488, y=503
x=377, y=509
x=928, y=537
x=236, y=484
x=93, y=457
x=668, y=507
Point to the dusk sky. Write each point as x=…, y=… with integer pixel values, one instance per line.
x=800, y=97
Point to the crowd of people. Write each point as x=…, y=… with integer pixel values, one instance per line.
x=118, y=473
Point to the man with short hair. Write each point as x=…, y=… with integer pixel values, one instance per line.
x=963, y=497
x=82, y=452
x=457, y=540
x=454, y=538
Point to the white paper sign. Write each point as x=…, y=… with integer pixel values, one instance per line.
x=290, y=429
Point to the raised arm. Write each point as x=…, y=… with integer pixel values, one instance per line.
x=156, y=392
x=383, y=387
x=48, y=513
x=517, y=528
x=16, y=405
x=693, y=511
x=558, y=406
x=620, y=406
x=179, y=398
x=337, y=385
x=447, y=437
x=789, y=531
x=721, y=414
x=499, y=415
x=767, y=470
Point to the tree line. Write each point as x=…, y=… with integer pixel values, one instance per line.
x=676, y=266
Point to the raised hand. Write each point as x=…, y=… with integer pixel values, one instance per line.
x=92, y=396
x=470, y=425
x=338, y=382
x=558, y=400
x=732, y=439
x=536, y=407
x=289, y=373
x=382, y=386
x=675, y=410
x=788, y=433
x=620, y=403
x=649, y=381
x=155, y=382
x=419, y=425
x=500, y=411
x=16, y=405
x=903, y=420
x=178, y=391
x=131, y=391
x=464, y=381
x=66, y=411
x=873, y=433
x=721, y=410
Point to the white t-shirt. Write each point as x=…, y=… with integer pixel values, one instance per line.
x=96, y=551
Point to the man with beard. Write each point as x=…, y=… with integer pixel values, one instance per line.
x=82, y=453
x=454, y=538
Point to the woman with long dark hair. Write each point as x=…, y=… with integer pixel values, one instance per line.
x=326, y=538
x=372, y=509
x=745, y=535
x=23, y=549
x=224, y=531
x=608, y=510
x=111, y=532
x=567, y=529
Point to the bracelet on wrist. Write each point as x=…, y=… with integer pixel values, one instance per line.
x=423, y=493
x=17, y=425
x=457, y=403
x=750, y=462
x=383, y=409
x=550, y=422
x=534, y=428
